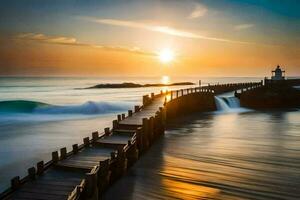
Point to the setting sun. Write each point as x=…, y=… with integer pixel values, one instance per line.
x=165, y=79
x=166, y=55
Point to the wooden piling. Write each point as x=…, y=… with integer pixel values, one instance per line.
x=145, y=100
x=103, y=175
x=145, y=133
x=63, y=153
x=95, y=136
x=55, y=157
x=86, y=141
x=129, y=113
x=115, y=124
x=31, y=173
x=40, y=168
x=152, y=95
x=75, y=148
x=136, y=108
x=151, y=129
x=15, y=182
x=123, y=116
x=139, y=138
x=119, y=118
x=91, y=185
x=106, y=131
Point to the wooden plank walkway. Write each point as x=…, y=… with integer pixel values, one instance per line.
x=146, y=112
x=86, y=159
x=55, y=184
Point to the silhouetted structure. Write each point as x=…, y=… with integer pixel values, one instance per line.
x=279, y=77
x=278, y=74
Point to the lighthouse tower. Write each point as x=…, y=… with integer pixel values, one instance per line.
x=278, y=74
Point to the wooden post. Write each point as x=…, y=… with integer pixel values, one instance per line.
x=55, y=157
x=40, y=168
x=119, y=118
x=156, y=125
x=123, y=116
x=145, y=133
x=129, y=113
x=177, y=93
x=152, y=95
x=136, y=108
x=31, y=173
x=91, y=186
x=103, y=176
x=106, y=131
x=95, y=136
x=75, y=148
x=15, y=182
x=63, y=153
x=122, y=161
x=115, y=124
x=86, y=141
x=139, y=138
x=164, y=116
x=151, y=129
x=145, y=100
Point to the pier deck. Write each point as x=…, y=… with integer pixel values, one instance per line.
x=56, y=184
x=146, y=112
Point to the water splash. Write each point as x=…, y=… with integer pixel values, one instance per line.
x=229, y=104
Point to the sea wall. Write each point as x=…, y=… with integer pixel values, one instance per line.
x=271, y=96
x=193, y=102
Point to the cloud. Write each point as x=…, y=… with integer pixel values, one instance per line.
x=243, y=26
x=158, y=28
x=48, y=39
x=62, y=40
x=199, y=11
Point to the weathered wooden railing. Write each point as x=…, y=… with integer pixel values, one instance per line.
x=141, y=135
x=248, y=89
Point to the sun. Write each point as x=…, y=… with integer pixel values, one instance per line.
x=165, y=80
x=166, y=55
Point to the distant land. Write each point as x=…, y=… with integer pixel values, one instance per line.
x=135, y=85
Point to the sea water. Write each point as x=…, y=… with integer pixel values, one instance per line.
x=219, y=155
x=40, y=115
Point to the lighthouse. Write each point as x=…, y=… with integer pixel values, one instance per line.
x=278, y=74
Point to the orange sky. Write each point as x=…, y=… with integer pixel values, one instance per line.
x=206, y=40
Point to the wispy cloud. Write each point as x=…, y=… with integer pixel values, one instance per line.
x=243, y=26
x=199, y=11
x=62, y=40
x=158, y=28
x=47, y=39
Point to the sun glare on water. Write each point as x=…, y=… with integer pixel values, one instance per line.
x=166, y=55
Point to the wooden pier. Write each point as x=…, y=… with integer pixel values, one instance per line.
x=88, y=169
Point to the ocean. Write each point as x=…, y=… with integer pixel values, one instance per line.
x=43, y=114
